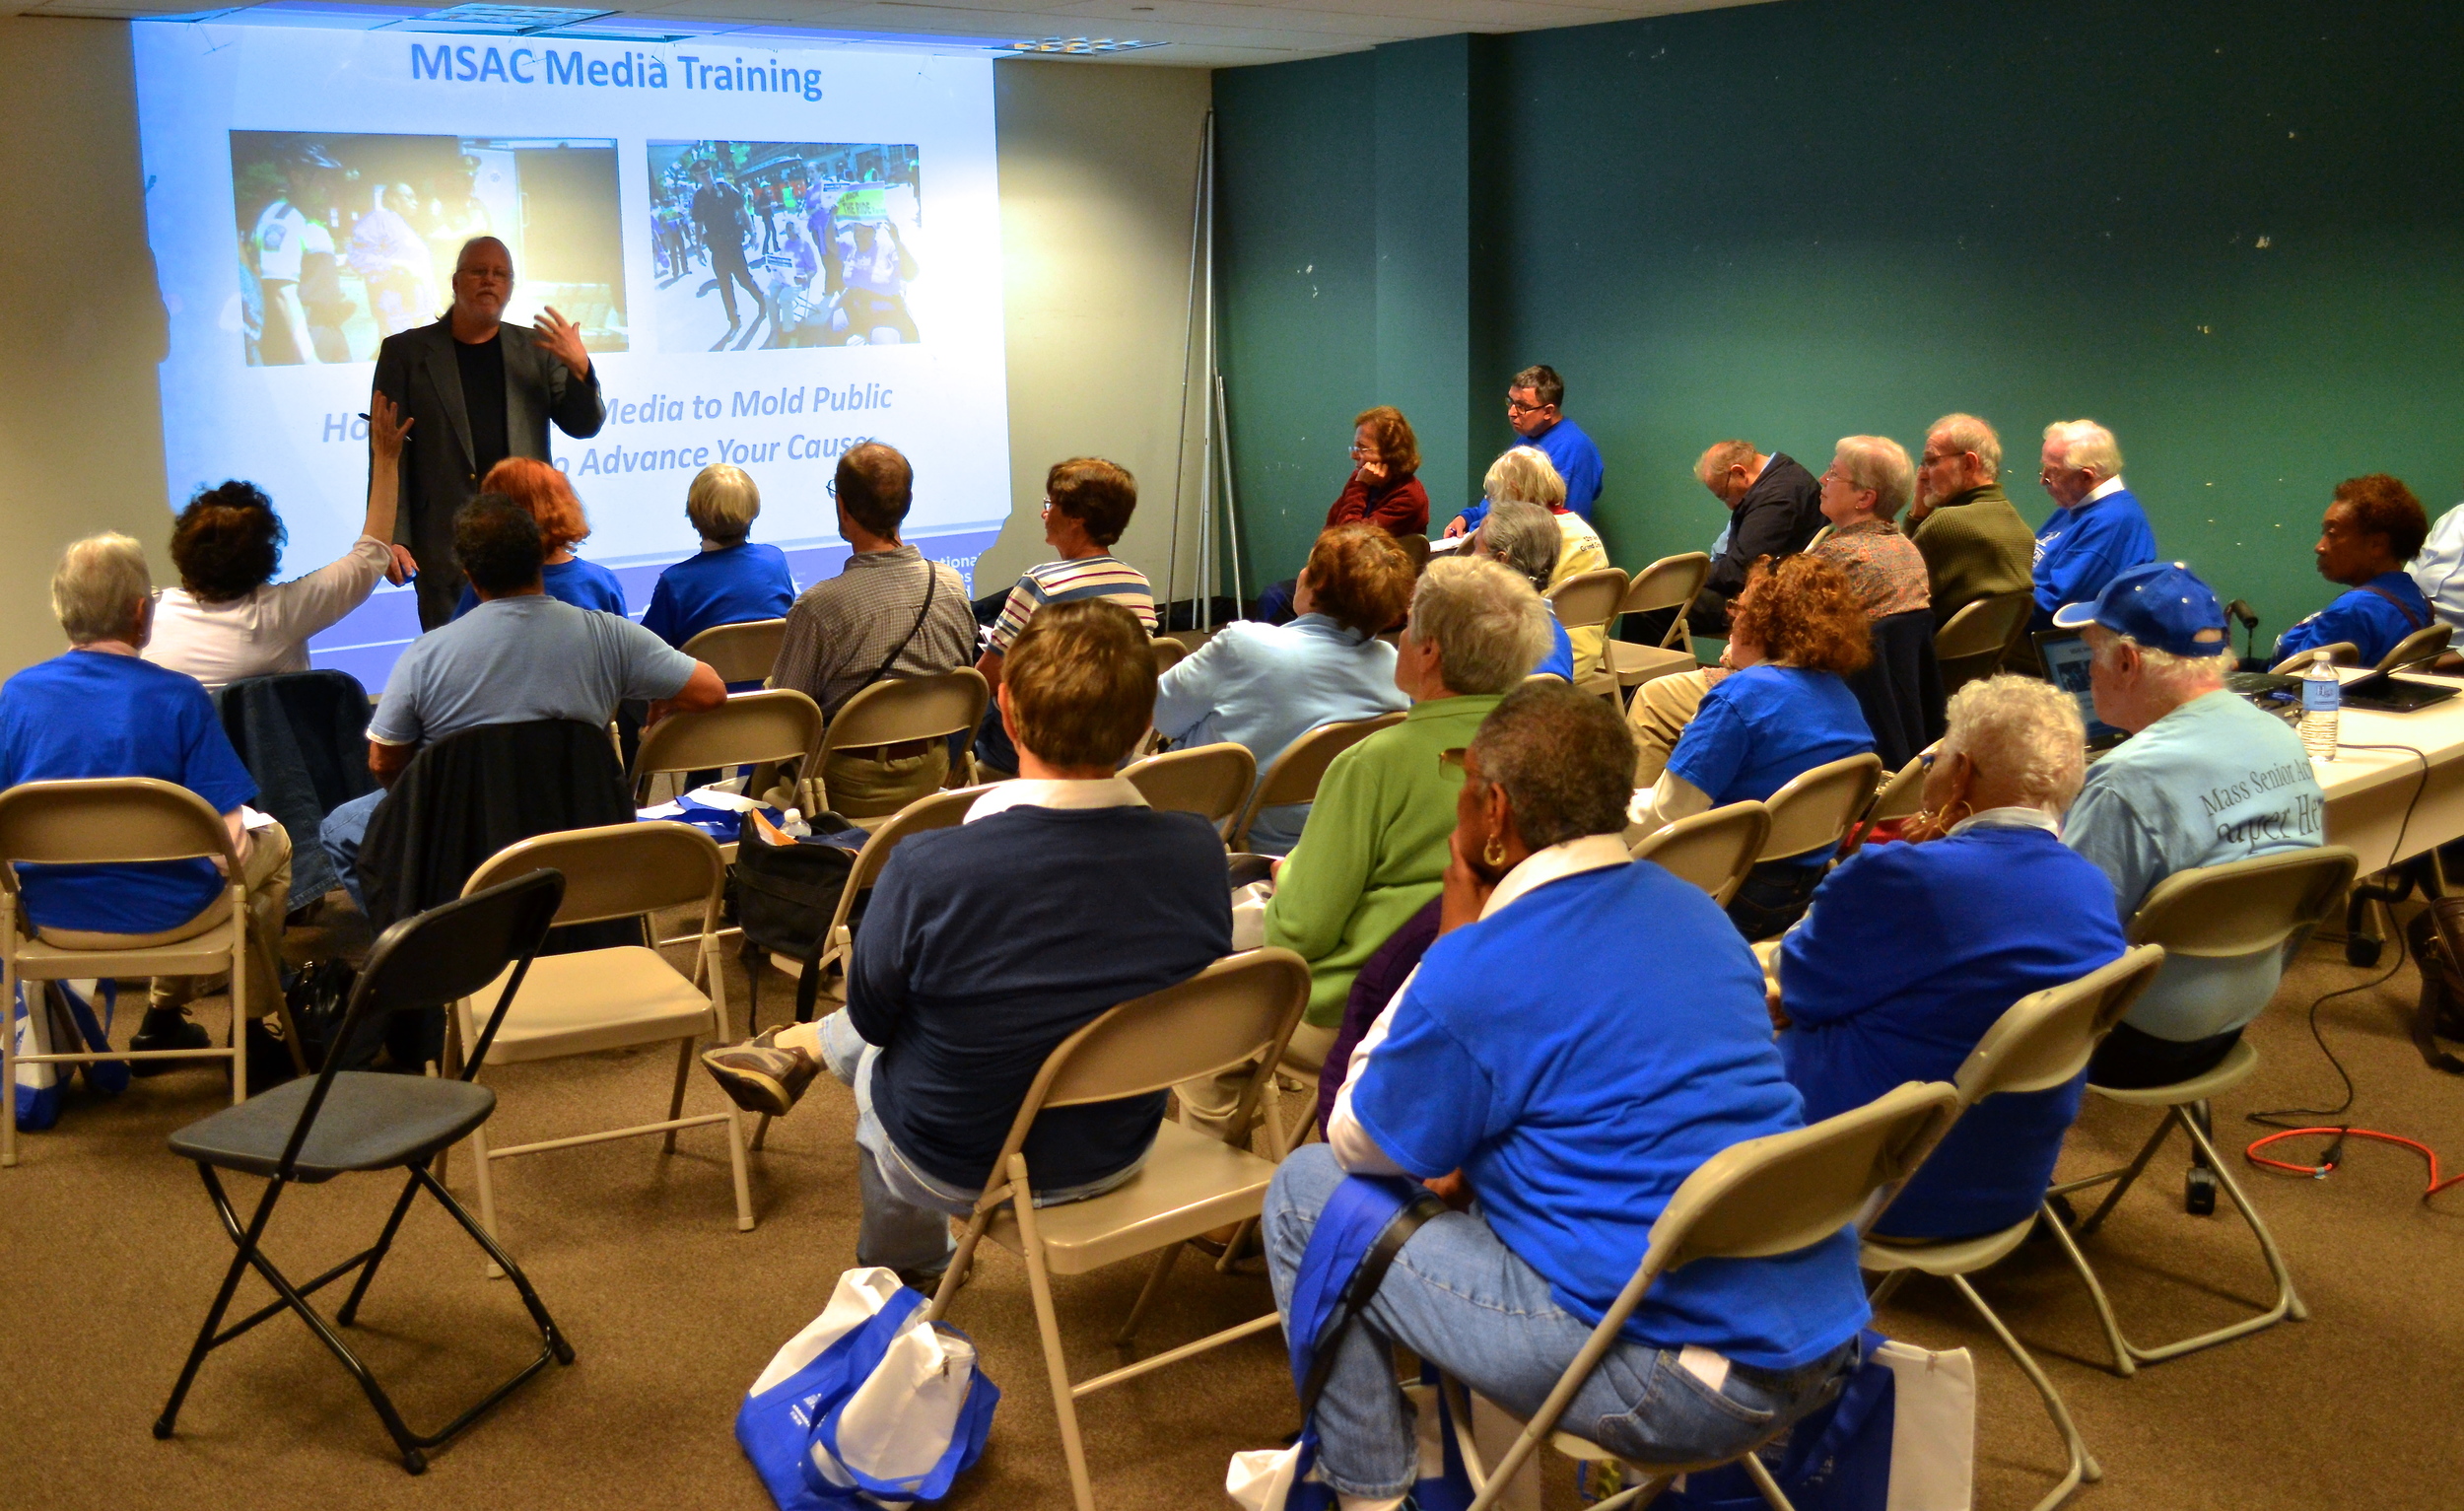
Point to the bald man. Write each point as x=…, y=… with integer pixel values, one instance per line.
x=479, y=392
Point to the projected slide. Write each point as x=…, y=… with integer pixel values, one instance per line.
x=762, y=269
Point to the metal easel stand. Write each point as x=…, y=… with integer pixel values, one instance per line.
x=1214, y=456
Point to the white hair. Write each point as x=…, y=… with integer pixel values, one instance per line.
x=723, y=501
x=96, y=588
x=1966, y=433
x=1489, y=625
x=2086, y=447
x=1526, y=475
x=2184, y=676
x=2023, y=733
x=1881, y=464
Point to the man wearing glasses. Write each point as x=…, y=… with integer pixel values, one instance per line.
x=1533, y=398
x=1974, y=543
x=2099, y=531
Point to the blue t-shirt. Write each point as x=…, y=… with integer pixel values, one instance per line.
x=513, y=661
x=1577, y=1088
x=2214, y=780
x=1560, y=661
x=94, y=714
x=729, y=586
x=2371, y=623
x=1576, y=460
x=1908, y=957
x=2080, y=550
x=584, y=584
x=1763, y=727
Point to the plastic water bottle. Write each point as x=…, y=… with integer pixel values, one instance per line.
x=2322, y=697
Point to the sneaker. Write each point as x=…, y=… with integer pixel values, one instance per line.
x=166, y=1028
x=759, y=1076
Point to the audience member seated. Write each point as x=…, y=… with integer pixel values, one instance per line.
x=227, y=620
x=1534, y=408
x=1526, y=474
x=2099, y=531
x=2373, y=529
x=1375, y=847
x=730, y=579
x=888, y=613
x=1383, y=490
x=2437, y=568
x=98, y=710
x=1557, y=1097
x=538, y=487
x=1524, y=538
x=520, y=656
x=1087, y=504
x=986, y=945
x=1866, y=485
x=2205, y=777
x=1783, y=709
x=1974, y=543
x=1912, y=952
x=1265, y=686
x=1774, y=507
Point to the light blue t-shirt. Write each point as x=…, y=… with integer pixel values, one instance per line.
x=1552, y=1053
x=513, y=661
x=2214, y=780
x=1265, y=686
x=1763, y=727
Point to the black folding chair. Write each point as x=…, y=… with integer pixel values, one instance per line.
x=344, y=1121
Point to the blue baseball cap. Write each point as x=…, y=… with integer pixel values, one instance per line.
x=2159, y=604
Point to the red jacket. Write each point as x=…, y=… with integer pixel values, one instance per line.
x=1400, y=507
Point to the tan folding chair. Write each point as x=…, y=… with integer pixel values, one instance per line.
x=1169, y=652
x=2043, y=1041
x=1239, y=1009
x=1975, y=639
x=1589, y=601
x=1767, y=1195
x=1210, y=780
x=739, y=652
x=1900, y=797
x=612, y=998
x=1714, y=851
x=2213, y=912
x=909, y=712
x=756, y=729
x=118, y=821
x=2425, y=644
x=1417, y=548
x=1812, y=813
x=1671, y=582
x=2342, y=652
x=1293, y=776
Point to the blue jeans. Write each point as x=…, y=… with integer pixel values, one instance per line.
x=344, y=827
x=906, y=1222
x=1458, y=1298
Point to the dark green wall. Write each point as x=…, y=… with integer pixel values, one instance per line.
x=1795, y=220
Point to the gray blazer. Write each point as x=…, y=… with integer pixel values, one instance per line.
x=417, y=369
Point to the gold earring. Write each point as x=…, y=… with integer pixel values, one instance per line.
x=1493, y=855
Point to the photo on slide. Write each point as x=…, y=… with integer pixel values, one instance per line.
x=765, y=245
x=346, y=239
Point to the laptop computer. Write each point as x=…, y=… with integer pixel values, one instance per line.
x=2068, y=664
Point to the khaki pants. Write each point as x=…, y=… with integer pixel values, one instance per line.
x=1661, y=709
x=265, y=870
x=861, y=788
x=1207, y=1105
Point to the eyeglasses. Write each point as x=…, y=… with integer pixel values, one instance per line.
x=1460, y=758
x=1514, y=406
x=1363, y=451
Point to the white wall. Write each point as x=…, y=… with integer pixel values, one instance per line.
x=1097, y=163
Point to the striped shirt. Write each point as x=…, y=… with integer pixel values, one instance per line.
x=1068, y=581
x=841, y=630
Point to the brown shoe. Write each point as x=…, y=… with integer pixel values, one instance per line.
x=759, y=1076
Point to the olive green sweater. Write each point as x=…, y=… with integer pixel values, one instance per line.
x=1975, y=546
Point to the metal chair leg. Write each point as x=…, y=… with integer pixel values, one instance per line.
x=1048, y=1325
x=482, y=1164
x=2123, y=1364
x=385, y=1245
x=1147, y=1293
x=675, y=1101
x=737, y=1173
x=1770, y=1487
x=2082, y=1465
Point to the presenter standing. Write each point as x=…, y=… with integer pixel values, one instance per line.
x=480, y=394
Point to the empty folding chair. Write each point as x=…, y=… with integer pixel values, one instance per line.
x=1668, y=586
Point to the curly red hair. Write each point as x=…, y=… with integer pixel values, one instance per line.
x=1804, y=612
x=543, y=491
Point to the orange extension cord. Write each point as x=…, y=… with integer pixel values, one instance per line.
x=2328, y=1160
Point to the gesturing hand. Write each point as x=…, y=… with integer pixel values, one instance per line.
x=561, y=339
x=386, y=428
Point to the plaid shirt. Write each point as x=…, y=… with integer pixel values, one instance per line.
x=1882, y=566
x=841, y=631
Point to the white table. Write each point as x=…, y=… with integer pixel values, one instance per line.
x=2370, y=791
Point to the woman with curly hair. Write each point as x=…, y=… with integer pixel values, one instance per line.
x=542, y=490
x=1795, y=635
x=228, y=619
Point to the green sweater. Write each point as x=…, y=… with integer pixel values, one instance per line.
x=1975, y=546
x=1373, y=851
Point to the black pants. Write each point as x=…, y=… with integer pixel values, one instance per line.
x=2131, y=1059
x=1776, y=895
x=730, y=271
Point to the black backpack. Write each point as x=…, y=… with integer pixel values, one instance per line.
x=784, y=897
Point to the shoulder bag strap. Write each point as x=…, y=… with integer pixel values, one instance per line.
x=1364, y=1285
x=933, y=579
x=2401, y=607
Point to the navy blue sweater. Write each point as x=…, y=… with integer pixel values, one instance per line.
x=986, y=945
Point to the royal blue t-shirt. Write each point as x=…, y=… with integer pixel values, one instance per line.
x=1576, y=1089
x=730, y=585
x=1908, y=957
x=2373, y=625
x=2081, y=549
x=1577, y=460
x=1763, y=727
x=1560, y=661
x=584, y=584
x=94, y=714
